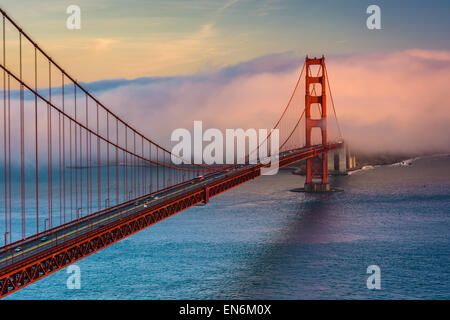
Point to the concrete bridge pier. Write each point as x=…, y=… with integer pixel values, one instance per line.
x=335, y=162
x=341, y=160
x=317, y=187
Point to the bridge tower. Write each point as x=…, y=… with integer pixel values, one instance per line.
x=316, y=167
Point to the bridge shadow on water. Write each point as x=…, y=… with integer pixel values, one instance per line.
x=283, y=268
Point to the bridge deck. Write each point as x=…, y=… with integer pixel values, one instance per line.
x=26, y=261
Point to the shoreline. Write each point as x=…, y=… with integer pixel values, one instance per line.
x=364, y=160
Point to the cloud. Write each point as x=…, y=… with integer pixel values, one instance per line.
x=226, y=5
x=100, y=44
x=396, y=101
x=269, y=6
x=385, y=102
x=390, y=102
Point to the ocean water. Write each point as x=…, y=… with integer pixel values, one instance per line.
x=262, y=241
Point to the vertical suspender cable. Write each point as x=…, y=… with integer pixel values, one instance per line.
x=36, y=159
x=64, y=150
x=22, y=142
x=4, y=134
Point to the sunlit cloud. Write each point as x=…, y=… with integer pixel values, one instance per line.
x=387, y=102
x=101, y=44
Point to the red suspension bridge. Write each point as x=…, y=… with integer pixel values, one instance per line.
x=76, y=178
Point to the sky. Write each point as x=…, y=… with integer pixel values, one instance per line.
x=137, y=38
x=180, y=61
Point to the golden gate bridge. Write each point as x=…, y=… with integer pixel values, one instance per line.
x=76, y=177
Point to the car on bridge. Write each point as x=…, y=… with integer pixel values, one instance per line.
x=199, y=178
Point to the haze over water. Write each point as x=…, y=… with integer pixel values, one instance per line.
x=262, y=241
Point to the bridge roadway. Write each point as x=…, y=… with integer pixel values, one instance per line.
x=22, y=254
x=44, y=241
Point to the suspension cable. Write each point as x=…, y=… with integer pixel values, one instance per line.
x=332, y=104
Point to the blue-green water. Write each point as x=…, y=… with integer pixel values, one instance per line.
x=263, y=241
